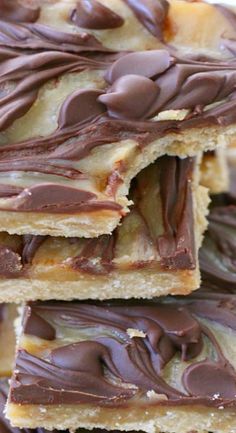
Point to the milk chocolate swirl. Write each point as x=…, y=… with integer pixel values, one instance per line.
x=95, y=370
x=91, y=14
x=151, y=13
x=33, y=54
x=11, y=10
x=142, y=85
x=5, y=425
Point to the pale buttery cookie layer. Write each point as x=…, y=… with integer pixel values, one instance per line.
x=215, y=171
x=7, y=338
x=84, y=105
x=128, y=366
x=152, y=253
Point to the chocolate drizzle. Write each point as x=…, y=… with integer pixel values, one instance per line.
x=91, y=14
x=96, y=370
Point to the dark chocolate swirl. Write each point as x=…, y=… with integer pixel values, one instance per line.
x=96, y=370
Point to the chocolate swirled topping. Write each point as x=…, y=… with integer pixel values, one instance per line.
x=91, y=14
x=13, y=11
x=5, y=425
x=98, y=368
x=139, y=87
x=33, y=54
x=178, y=84
x=151, y=13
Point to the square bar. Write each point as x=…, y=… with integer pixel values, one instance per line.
x=153, y=252
x=84, y=105
x=156, y=366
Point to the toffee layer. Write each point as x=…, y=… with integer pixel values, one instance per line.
x=61, y=171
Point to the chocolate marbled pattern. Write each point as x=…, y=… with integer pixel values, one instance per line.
x=139, y=86
x=96, y=369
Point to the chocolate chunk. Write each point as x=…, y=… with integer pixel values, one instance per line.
x=130, y=97
x=13, y=11
x=151, y=13
x=91, y=14
x=144, y=63
x=80, y=106
x=37, y=326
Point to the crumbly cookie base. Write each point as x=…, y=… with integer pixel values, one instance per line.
x=150, y=419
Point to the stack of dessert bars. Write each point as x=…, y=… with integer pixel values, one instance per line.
x=117, y=119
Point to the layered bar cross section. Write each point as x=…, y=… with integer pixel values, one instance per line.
x=153, y=252
x=157, y=366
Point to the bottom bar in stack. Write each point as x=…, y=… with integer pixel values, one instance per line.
x=157, y=366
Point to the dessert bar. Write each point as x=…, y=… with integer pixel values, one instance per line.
x=157, y=366
x=152, y=253
x=92, y=95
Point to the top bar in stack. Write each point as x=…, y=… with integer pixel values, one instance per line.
x=82, y=112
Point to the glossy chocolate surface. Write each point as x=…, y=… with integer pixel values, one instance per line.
x=105, y=364
x=138, y=87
